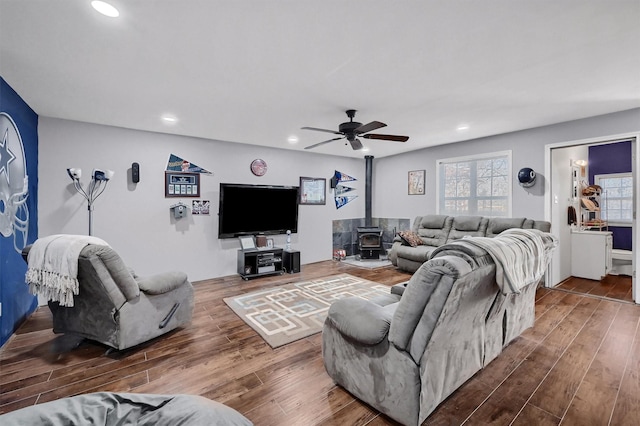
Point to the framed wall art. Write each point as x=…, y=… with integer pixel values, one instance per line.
x=416, y=182
x=313, y=190
x=247, y=242
x=181, y=184
x=200, y=207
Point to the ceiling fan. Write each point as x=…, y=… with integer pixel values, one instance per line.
x=351, y=130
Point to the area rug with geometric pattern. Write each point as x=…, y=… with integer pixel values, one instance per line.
x=286, y=313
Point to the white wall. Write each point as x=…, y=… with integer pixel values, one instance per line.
x=135, y=218
x=527, y=146
x=136, y=221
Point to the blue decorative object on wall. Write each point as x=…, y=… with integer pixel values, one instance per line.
x=14, y=184
x=340, y=177
x=339, y=190
x=527, y=177
x=343, y=201
x=18, y=205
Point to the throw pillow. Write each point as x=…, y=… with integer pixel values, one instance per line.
x=410, y=238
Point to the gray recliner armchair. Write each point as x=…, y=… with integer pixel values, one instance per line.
x=118, y=308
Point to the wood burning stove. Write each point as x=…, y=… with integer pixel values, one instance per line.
x=370, y=242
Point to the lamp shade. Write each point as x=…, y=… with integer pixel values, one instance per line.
x=102, y=174
x=74, y=173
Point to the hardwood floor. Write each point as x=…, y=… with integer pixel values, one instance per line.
x=616, y=287
x=579, y=364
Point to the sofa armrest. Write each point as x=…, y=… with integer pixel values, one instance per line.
x=161, y=283
x=360, y=320
x=399, y=289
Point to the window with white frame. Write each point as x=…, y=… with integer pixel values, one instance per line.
x=477, y=185
x=616, y=202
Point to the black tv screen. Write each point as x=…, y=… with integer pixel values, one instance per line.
x=257, y=209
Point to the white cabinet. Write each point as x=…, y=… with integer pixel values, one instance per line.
x=591, y=254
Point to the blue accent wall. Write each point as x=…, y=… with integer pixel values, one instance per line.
x=613, y=158
x=17, y=302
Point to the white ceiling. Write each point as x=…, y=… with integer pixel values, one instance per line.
x=255, y=71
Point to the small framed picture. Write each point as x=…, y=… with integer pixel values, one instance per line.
x=247, y=243
x=313, y=190
x=270, y=242
x=416, y=182
x=181, y=184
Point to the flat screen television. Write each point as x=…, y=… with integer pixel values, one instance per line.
x=257, y=209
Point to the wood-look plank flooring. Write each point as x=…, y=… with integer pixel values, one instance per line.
x=579, y=364
x=616, y=287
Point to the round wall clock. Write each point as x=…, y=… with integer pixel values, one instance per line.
x=258, y=167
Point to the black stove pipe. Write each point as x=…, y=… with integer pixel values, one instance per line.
x=367, y=189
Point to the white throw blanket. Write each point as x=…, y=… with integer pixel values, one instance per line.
x=53, y=266
x=521, y=256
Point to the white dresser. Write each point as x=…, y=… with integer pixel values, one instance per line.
x=591, y=254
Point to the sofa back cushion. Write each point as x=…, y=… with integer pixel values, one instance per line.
x=540, y=225
x=498, y=224
x=107, y=268
x=433, y=229
x=474, y=226
x=423, y=301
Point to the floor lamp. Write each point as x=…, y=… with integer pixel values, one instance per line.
x=98, y=184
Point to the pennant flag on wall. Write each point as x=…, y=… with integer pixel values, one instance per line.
x=341, y=189
x=340, y=177
x=343, y=201
x=343, y=177
x=177, y=164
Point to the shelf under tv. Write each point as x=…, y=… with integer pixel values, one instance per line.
x=260, y=262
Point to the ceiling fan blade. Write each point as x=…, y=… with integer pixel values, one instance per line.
x=369, y=127
x=322, y=143
x=356, y=144
x=321, y=130
x=394, y=138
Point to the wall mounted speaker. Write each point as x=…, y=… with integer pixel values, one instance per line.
x=135, y=172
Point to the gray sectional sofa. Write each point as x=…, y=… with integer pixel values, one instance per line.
x=405, y=352
x=437, y=230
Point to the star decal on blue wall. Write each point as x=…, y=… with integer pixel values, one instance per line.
x=6, y=156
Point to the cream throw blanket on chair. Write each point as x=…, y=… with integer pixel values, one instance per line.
x=53, y=266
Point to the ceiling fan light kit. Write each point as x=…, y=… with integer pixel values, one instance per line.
x=351, y=130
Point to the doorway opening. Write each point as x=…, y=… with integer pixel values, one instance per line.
x=575, y=169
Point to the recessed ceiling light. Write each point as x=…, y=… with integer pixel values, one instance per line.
x=105, y=8
x=169, y=119
x=293, y=139
x=462, y=127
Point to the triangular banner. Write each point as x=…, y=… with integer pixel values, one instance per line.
x=341, y=189
x=177, y=164
x=341, y=177
x=343, y=201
